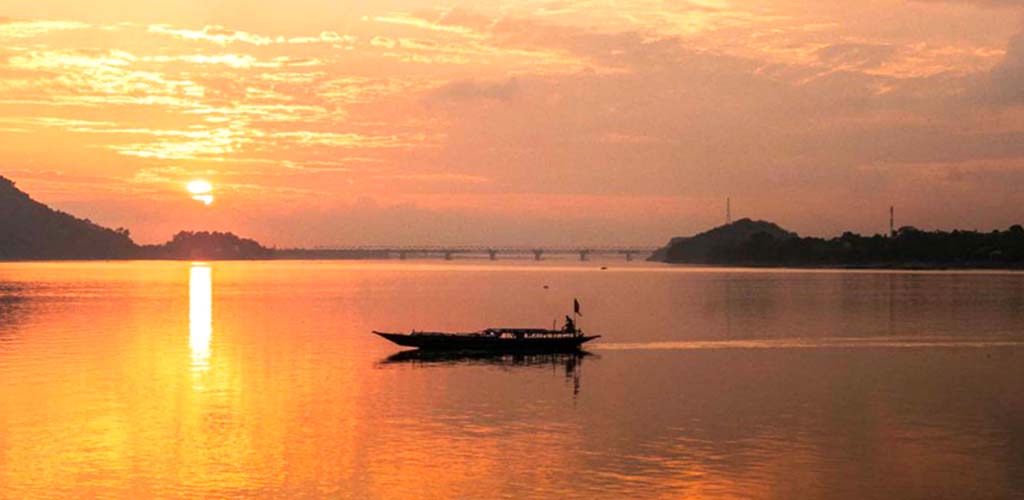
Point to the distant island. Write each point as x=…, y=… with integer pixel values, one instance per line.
x=753, y=243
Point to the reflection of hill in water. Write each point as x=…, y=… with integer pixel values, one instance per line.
x=570, y=362
x=13, y=304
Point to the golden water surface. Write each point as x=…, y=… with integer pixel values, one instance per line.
x=261, y=380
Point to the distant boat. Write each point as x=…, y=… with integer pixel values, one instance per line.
x=494, y=339
x=534, y=340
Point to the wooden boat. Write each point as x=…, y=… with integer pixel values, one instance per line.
x=494, y=339
x=533, y=340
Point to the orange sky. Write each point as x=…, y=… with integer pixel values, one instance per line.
x=596, y=122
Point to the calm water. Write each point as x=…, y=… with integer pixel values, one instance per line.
x=261, y=380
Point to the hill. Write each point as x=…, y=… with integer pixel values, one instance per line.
x=760, y=243
x=704, y=247
x=205, y=245
x=30, y=230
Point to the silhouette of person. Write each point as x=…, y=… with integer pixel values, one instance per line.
x=570, y=325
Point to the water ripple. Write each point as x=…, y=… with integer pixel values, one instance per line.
x=811, y=343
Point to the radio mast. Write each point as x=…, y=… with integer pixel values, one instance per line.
x=892, y=221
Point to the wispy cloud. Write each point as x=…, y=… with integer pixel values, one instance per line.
x=472, y=89
x=213, y=34
x=14, y=29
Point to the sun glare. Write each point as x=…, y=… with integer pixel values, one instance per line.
x=200, y=191
x=199, y=187
x=200, y=317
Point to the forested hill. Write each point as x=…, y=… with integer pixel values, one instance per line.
x=31, y=230
x=205, y=245
x=706, y=246
x=759, y=243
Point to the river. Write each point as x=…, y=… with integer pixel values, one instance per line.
x=262, y=380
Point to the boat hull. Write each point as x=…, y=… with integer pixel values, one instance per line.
x=484, y=343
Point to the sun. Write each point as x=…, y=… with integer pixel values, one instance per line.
x=199, y=187
x=201, y=191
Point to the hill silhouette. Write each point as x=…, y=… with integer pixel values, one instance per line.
x=706, y=246
x=760, y=243
x=32, y=230
x=204, y=245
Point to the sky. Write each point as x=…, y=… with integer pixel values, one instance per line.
x=598, y=122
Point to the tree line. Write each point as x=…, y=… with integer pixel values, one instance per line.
x=907, y=247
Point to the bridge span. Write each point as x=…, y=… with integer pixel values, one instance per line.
x=493, y=252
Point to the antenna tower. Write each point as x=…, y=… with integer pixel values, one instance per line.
x=892, y=221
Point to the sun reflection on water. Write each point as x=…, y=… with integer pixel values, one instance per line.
x=200, y=315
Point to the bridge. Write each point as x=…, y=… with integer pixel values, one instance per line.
x=449, y=252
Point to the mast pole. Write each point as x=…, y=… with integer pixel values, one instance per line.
x=576, y=315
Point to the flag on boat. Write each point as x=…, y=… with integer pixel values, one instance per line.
x=576, y=307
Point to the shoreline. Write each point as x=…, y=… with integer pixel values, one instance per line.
x=677, y=264
x=910, y=266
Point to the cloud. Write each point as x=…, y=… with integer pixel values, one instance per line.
x=856, y=55
x=443, y=178
x=438, y=23
x=10, y=28
x=981, y=3
x=473, y=89
x=1006, y=81
x=212, y=33
x=349, y=139
x=383, y=42
x=331, y=37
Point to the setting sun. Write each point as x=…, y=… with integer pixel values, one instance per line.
x=199, y=187
x=200, y=191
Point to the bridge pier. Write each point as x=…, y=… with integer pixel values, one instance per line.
x=629, y=256
x=401, y=255
x=537, y=254
x=447, y=255
x=584, y=254
x=492, y=253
